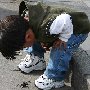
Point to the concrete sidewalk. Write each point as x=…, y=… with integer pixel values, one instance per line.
x=10, y=77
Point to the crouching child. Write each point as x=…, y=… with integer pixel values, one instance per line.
x=64, y=32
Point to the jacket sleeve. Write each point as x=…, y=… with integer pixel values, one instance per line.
x=63, y=26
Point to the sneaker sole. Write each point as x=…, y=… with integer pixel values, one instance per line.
x=55, y=85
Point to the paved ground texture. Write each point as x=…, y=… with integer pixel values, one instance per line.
x=10, y=77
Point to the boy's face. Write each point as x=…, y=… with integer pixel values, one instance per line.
x=29, y=38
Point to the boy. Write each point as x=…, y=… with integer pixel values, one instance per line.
x=34, y=59
x=63, y=32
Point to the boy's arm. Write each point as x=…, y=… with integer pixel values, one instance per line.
x=62, y=25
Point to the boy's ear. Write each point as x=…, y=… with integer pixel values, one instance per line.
x=28, y=36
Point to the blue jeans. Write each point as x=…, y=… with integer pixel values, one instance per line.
x=36, y=49
x=59, y=58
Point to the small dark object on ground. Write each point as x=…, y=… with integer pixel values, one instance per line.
x=24, y=84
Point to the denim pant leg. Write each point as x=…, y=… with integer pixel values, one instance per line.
x=28, y=49
x=59, y=58
x=36, y=49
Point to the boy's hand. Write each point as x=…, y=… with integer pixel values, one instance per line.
x=58, y=43
x=45, y=47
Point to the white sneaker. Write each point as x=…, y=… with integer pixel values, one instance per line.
x=46, y=84
x=31, y=62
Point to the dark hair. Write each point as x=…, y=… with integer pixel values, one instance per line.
x=12, y=35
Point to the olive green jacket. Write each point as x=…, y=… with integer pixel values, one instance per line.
x=41, y=17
